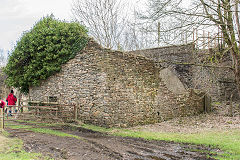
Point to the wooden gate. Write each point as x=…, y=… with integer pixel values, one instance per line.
x=11, y=116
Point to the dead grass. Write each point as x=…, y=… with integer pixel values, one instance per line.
x=219, y=119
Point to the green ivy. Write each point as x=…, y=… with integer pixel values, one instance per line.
x=41, y=51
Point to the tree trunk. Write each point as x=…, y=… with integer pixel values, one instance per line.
x=236, y=64
x=237, y=77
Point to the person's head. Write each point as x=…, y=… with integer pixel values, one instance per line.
x=12, y=91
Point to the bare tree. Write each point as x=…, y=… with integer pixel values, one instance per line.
x=139, y=36
x=105, y=20
x=201, y=14
x=158, y=11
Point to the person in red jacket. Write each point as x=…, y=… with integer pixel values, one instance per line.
x=11, y=100
x=2, y=104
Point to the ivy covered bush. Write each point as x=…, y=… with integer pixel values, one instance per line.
x=41, y=51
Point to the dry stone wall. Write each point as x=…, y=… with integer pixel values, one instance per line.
x=113, y=88
x=175, y=58
x=217, y=82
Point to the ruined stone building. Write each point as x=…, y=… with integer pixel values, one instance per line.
x=192, y=68
x=113, y=88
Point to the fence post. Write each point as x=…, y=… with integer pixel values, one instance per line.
x=57, y=110
x=204, y=43
x=159, y=34
x=207, y=103
x=209, y=40
x=2, y=118
x=196, y=37
x=75, y=111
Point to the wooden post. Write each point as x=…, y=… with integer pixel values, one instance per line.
x=7, y=111
x=158, y=34
x=75, y=111
x=57, y=109
x=186, y=40
x=221, y=39
x=2, y=118
x=215, y=42
x=207, y=103
x=209, y=40
x=204, y=39
x=196, y=37
x=193, y=38
x=218, y=42
x=3, y=115
x=193, y=35
x=182, y=40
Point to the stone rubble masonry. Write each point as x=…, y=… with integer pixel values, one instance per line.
x=116, y=89
x=175, y=58
x=217, y=82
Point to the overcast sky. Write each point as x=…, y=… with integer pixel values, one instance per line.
x=17, y=16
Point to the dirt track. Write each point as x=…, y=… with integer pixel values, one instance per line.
x=99, y=146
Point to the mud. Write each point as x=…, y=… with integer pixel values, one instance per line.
x=100, y=146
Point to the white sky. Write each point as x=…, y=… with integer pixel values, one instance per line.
x=17, y=16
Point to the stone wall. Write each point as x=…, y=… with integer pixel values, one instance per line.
x=178, y=53
x=118, y=89
x=174, y=58
x=217, y=82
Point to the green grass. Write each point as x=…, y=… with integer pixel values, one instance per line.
x=53, y=132
x=12, y=149
x=97, y=128
x=227, y=141
x=44, y=130
x=19, y=126
x=41, y=123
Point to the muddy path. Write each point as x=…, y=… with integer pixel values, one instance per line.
x=100, y=146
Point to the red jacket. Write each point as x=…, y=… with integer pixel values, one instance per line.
x=11, y=99
x=2, y=104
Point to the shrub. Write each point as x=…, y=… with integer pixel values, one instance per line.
x=41, y=51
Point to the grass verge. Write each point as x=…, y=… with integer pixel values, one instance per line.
x=13, y=149
x=43, y=130
x=228, y=141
